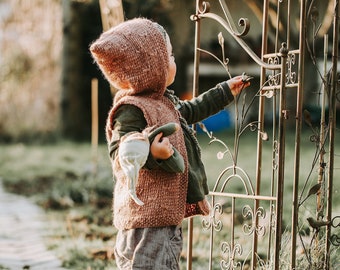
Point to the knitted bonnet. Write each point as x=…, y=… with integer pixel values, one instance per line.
x=133, y=53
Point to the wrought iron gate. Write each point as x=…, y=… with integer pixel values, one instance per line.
x=256, y=242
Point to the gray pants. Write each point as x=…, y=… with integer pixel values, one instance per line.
x=149, y=248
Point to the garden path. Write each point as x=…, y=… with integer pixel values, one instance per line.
x=22, y=229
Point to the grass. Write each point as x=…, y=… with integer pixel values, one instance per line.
x=76, y=192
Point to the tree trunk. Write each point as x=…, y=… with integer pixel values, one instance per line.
x=81, y=25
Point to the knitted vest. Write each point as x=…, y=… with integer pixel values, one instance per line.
x=163, y=193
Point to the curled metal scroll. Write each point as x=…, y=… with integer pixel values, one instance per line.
x=335, y=238
x=230, y=253
x=243, y=22
x=274, y=77
x=211, y=221
x=249, y=229
x=291, y=75
x=203, y=7
x=227, y=23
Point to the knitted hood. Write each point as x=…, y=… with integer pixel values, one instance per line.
x=133, y=56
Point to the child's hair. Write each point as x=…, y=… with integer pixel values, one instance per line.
x=134, y=54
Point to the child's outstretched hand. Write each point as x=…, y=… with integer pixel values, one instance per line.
x=237, y=84
x=161, y=147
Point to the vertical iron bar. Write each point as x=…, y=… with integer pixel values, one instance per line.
x=320, y=196
x=260, y=121
x=197, y=52
x=211, y=248
x=322, y=121
x=277, y=26
x=281, y=154
x=288, y=24
x=194, y=93
x=332, y=121
x=232, y=242
x=298, y=123
x=189, y=247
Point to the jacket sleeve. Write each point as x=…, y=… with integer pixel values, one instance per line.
x=206, y=104
x=129, y=118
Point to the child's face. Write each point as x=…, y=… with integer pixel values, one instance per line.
x=172, y=64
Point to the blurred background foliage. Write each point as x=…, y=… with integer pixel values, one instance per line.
x=46, y=68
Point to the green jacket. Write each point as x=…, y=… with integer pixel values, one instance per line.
x=129, y=118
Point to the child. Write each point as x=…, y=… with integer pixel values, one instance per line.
x=136, y=58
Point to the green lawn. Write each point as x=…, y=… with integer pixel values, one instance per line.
x=75, y=188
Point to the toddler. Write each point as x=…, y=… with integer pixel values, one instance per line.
x=136, y=58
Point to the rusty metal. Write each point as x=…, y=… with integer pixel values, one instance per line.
x=281, y=155
x=332, y=117
x=298, y=122
x=280, y=72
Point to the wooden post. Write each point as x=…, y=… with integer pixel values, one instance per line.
x=112, y=14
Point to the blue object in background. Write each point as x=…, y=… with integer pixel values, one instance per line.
x=217, y=122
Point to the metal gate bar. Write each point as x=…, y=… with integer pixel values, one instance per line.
x=332, y=117
x=278, y=75
x=298, y=123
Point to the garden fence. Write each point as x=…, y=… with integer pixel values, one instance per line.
x=245, y=229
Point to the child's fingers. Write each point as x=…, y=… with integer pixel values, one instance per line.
x=165, y=142
x=158, y=137
x=246, y=84
x=236, y=85
x=161, y=147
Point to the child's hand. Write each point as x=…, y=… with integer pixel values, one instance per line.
x=237, y=84
x=161, y=147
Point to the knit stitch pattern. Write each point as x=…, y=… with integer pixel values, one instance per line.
x=163, y=193
x=133, y=57
x=133, y=54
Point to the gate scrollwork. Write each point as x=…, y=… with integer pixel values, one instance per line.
x=254, y=226
x=244, y=210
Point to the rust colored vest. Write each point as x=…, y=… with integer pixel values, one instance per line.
x=163, y=193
